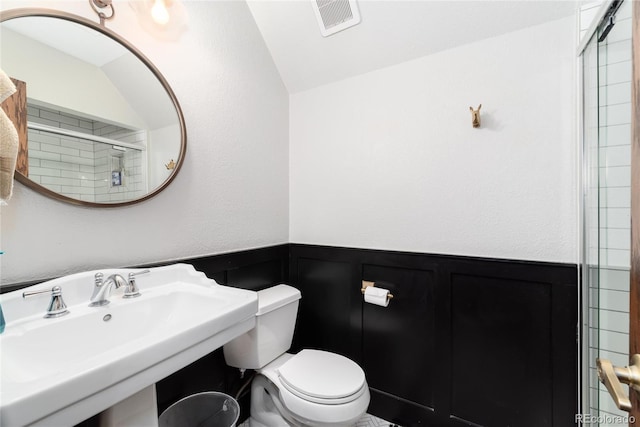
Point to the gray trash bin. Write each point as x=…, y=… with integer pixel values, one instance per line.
x=208, y=409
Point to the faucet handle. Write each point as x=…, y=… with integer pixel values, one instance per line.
x=132, y=291
x=137, y=273
x=57, y=307
x=98, y=279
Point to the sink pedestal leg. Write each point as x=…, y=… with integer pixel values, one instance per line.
x=139, y=409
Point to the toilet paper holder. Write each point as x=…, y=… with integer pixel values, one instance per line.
x=366, y=284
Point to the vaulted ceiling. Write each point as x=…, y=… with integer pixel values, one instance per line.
x=391, y=32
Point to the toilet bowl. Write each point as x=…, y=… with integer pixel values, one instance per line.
x=311, y=388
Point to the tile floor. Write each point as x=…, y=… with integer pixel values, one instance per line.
x=366, y=421
x=371, y=421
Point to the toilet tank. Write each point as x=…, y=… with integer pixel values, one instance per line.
x=273, y=333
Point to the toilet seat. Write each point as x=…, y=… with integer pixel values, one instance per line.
x=322, y=377
x=308, y=410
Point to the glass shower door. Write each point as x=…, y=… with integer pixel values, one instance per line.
x=607, y=209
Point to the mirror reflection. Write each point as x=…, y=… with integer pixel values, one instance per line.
x=102, y=128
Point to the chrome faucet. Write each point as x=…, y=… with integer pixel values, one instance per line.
x=102, y=289
x=57, y=307
x=132, y=291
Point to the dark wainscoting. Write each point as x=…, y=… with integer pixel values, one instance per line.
x=465, y=341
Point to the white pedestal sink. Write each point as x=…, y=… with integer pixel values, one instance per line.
x=64, y=370
x=139, y=410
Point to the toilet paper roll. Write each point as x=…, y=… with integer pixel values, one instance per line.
x=377, y=296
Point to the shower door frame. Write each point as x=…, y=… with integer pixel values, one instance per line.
x=634, y=289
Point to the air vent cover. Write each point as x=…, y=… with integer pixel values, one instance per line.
x=335, y=15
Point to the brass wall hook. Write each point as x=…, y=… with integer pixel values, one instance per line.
x=475, y=116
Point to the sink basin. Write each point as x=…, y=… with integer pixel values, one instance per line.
x=61, y=371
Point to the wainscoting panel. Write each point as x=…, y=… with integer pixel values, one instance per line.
x=253, y=269
x=387, y=332
x=501, y=343
x=464, y=342
x=327, y=307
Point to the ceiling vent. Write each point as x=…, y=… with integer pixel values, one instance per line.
x=335, y=15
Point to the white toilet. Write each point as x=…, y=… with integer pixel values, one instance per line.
x=311, y=388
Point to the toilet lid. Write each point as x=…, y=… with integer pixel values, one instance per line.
x=321, y=374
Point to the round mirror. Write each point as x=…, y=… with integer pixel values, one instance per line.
x=103, y=127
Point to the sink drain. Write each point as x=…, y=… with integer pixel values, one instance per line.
x=106, y=317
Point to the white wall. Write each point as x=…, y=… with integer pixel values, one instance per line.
x=389, y=159
x=232, y=192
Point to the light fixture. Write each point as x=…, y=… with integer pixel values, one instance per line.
x=164, y=19
x=159, y=12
